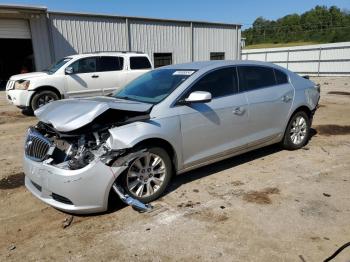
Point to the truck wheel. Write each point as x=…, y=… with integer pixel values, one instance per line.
x=42, y=98
x=148, y=175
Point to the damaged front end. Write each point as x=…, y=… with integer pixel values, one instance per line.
x=68, y=151
x=75, y=170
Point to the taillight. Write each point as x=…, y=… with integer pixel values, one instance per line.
x=318, y=88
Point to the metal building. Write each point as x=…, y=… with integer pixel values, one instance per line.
x=36, y=37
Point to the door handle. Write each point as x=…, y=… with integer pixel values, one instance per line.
x=238, y=111
x=286, y=98
x=95, y=76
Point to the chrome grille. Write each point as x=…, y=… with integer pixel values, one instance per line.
x=36, y=145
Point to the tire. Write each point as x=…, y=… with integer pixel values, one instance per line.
x=139, y=173
x=42, y=98
x=297, y=133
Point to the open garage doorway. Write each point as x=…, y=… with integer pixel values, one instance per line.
x=16, y=57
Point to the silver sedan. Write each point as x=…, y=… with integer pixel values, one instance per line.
x=168, y=121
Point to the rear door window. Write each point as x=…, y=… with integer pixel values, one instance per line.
x=254, y=77
x=139, y=62
x=110, y=63
x=221, y=82
x=281, y=78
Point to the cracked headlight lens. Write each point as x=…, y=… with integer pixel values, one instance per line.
x=22, y=84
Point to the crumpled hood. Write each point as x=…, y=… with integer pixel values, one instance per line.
x=70, y=114
x=27, y=75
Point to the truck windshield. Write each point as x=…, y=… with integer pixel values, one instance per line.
x=53, y=68
x=154, y=86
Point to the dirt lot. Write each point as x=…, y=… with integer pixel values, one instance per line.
x=267, y=205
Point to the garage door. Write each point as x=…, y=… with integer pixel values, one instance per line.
x=14, y=28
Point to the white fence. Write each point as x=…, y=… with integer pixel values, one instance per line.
x=320, y=60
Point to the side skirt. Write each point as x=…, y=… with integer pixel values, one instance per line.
x=234, y=152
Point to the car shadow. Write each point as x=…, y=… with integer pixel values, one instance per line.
x=208, y=170
x=211, y=169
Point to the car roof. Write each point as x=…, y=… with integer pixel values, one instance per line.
x=112, y=53
x=217, y=63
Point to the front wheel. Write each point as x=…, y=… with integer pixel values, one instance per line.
x=148, y=175
x=42, y=98
x=298, y=131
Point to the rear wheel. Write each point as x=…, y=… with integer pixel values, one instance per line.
x=298, y=131
x=42, y=98
x=148, y=175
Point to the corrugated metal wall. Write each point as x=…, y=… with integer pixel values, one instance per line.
x=161, y=37
x=324, y=59
x=215, y=38
x=40, y=41
x=73, y=34
x=77, y=33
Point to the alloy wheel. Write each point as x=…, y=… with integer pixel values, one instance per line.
x=44, y=99
x=146, y=175
x=298, y=130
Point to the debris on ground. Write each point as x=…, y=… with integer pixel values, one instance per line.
x=67, y=221
x=12, y=247
x=326, y=195
x=189, y=204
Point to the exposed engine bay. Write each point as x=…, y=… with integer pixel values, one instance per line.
x=76, y=149
x=73, y=151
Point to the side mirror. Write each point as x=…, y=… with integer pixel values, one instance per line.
x=197, y=97
x=69, y=70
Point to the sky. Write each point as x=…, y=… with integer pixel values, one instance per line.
x=228, y=11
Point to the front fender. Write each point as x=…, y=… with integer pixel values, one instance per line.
x=54, y=81
x=167, y=129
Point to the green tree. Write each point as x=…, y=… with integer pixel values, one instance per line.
x=320, y=24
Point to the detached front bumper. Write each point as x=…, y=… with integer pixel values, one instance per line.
x=20, y=98
x=79, y=191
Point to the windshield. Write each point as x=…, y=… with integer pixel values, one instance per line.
x=154, y=86
x=53, y=68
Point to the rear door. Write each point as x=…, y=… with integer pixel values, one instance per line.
x=110, y=73
x=138, y=65
x=212, y=129
x=270, y=96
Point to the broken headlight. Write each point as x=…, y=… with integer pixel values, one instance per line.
x=22, y=84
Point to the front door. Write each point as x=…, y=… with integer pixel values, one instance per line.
x=84, y=81
x=212, y=129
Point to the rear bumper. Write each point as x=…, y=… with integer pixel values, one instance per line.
x=76, y=191
x=20, y=98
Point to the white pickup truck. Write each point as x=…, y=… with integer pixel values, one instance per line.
x=77, y=76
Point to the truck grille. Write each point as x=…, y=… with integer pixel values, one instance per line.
x=36, y=145
x=10, y=85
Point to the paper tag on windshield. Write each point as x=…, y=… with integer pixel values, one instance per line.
x=183, y=73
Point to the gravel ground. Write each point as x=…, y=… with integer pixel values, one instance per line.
x=266, y=205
